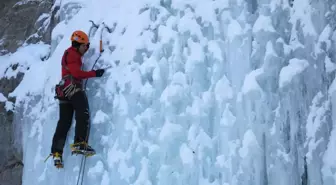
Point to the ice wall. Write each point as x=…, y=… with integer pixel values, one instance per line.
x=218, y=92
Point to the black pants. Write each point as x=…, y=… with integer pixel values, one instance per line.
x=80, y=105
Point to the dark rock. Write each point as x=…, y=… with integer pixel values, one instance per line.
x=10, y=154
x=20, y=23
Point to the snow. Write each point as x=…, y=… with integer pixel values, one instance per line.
x=9, y=106
x=228, y=119
x=186, y=154
x=302, y=13
x=201, y=141
x=329, y=66
x=36, y=53
x=43, y=16
x=175, y=91
x=329, y=163
x=207, y=13
x=189, y=98
x=215, y=50
x=294, y=68
x=332, y=87
x=315, y=120
x=143, y=179
x=169, y=131
x=23, y=2
x=275, y=4
x=263, y=23
x=2, y=98
x=223, y=90
x=195, y=109
x=106, y=179
x=287, y=48
x=234, y=30
x=250, y=83
x=325, y=35
x=249, y=141
x=166, y=34
x=96, y=170
x=196, y=54
x=188, y=23
x=270, y=49
x=100, y=117
x=125, y=171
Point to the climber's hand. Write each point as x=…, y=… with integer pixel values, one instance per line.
x=99, y=72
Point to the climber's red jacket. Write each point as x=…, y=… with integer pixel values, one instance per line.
x=72, y=64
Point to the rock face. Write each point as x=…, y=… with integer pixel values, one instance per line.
x=10, y=154
x=21, y=21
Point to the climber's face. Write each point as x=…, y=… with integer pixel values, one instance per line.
x=83, y=48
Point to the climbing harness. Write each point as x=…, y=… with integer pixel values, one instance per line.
x=65, y=90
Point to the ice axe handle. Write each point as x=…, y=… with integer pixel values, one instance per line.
x=101, y=46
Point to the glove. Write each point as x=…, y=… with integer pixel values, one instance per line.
x=99, y=72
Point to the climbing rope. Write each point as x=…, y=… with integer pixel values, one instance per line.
x=101, y=50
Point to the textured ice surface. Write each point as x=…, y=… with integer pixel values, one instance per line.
x=201, y=92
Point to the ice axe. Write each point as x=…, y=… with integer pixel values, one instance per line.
x=101, y=36
x=101, y=49
x=93, y=26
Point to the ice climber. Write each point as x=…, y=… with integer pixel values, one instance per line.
x=72, y=98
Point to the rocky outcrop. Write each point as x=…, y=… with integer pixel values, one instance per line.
x=21, y=22
x=24, y=21
x=10, y=151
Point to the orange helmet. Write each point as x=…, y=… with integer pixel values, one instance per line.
x=80, y=37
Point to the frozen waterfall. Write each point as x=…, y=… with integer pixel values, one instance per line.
x=211, y=92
